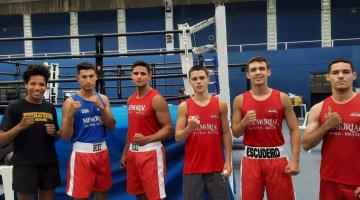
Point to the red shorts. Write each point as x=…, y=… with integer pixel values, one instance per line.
x=146, y=170
x=333, y=191
x=265, y=167
x=88, y=170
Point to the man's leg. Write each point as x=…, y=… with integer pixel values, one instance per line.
x=193, y=186
x=25, y=196
x=252, y=181
x=100, y=195
x=49, y=179
x=278, y=184
x=152, y=173
x=133, y=181
x=103, y=175
x=347, y=192
x=46, y=194
x=217, y=186
x=80, y=177
x=329, y=190
x=141, y=197
x=25, y=181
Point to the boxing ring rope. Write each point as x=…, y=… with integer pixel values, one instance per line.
x=71, y=78
x=129, y=65
x=114, y=78
x=93, y=55
x=160, y=76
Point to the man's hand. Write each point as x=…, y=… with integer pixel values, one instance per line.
x=140, y=139
x=333, y=119
x=26, y=122
x=357, y=193
x=227, y=169
x=292, y=168
x=123, y=161
x=73, y=107
x=193, y=122
x=51, y=130
x=96, y=100
x=249, y=117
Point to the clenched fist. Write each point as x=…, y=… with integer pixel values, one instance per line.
x=50, y=129
x=249, y=117
x=96, y=100
x=26, y=122
x=74, y=106
x=193, y=122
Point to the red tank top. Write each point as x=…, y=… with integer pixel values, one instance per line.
x=266, y=130
x=340, y=159
x=203, y=148
x=141, y=115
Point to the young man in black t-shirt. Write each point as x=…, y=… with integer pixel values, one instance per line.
x=30, y=123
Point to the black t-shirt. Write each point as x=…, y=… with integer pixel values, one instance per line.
x=32, y=146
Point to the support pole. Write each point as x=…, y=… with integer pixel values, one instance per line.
x=100, y=83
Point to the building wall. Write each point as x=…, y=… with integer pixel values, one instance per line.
x=246, y=24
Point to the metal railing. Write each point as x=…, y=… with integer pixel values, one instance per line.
x=231, y=47
x=82, y=53
x=293, y=44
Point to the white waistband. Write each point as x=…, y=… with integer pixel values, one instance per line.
x=89, y=147
x=147, y=147
x=264, y=152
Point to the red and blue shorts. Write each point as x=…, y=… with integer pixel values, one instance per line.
x=88, y=169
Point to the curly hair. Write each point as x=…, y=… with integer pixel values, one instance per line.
x=33, y=70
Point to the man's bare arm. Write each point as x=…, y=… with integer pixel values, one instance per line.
x=314, y=132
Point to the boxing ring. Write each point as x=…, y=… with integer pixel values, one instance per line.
x=115, y=139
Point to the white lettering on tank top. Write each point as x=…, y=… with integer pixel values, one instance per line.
x=346, y=129
x=93, y=121
x=207, y=128
x=137, y=109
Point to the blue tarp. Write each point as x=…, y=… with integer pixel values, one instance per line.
x=115, y=142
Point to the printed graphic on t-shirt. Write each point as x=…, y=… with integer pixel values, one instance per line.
x=346, y=129
x=214, y=116
x=272, y=110
x=138, y=109
x=261, y=124
x=355, y=114
x=93, y=121
x=207, y=128
x=40, y=116
x=84, y=111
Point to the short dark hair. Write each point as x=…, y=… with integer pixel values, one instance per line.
x=85, y=66
x=33, y=70
x=257, y=59
x=344, y=60
x=142, y=64
x=198, y=68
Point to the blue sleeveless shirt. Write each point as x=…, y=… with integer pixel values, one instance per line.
x=88, y=123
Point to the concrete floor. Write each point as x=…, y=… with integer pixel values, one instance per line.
x=306, y=183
